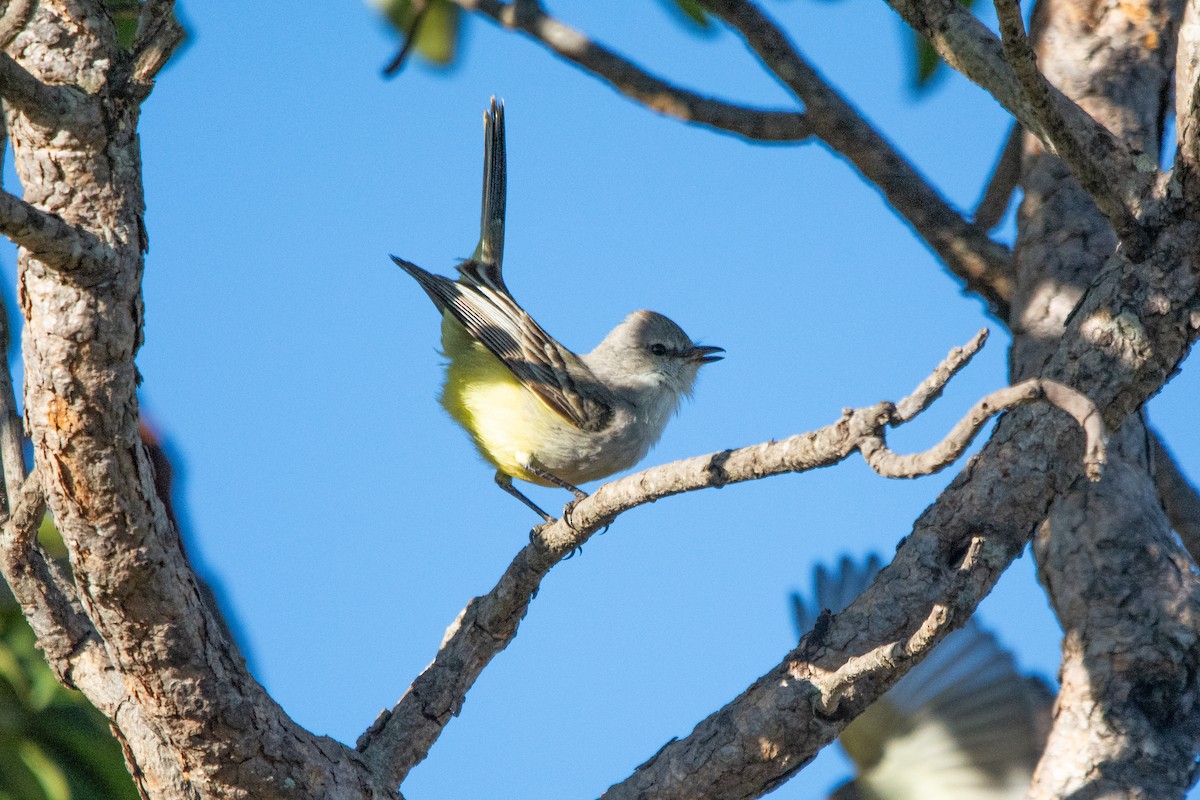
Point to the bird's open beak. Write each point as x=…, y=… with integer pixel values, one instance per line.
x=705, y=354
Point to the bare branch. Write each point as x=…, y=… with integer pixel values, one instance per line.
x=12, y=439
x=49, y=238
x=931, y=388
x=158, y=34
x=1187, y=102
x=43, y=103
x=1003, y=182
x=637, y=84
x=1179, y=497
x=984, y=265
x=968, y=46
x=1060, y=137
x=947, y=451
x=16, y=17
x=46, y=595
x=400, y=738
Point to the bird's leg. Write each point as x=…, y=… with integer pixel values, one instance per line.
x=537, y=469
x=505, y=483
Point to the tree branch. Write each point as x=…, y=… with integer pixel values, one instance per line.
x=12, y=440
x=983, y=264
x=56, y=243
x=931, y=388
x=1126, y=717
x=46, y=595
x=1179, y=497
x=1135, y=327
x=1187, y=104
x=637, y=84
x=947, y=451
x=400, y=738
x=968, y=46
x=16, y=17
x=1059, y=136
x=1003, y=182
x=158, y=34
x=46, y=104
x=967, y=251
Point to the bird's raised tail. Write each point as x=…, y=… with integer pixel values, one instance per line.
x=490, y=249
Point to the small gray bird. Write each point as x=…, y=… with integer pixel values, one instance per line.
x=964, y=724
x=535, y=410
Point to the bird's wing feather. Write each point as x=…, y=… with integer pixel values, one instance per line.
x=962, y=724
x=483, y=306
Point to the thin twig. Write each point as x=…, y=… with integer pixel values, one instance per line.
x=1064, y=140
x=639, y=85
x=983, y=264
x=931, y=388
x=52, y=240
x=1004, y=180
x=410, y=40
x=12, y=439
x=400, y=738
x=1179, y=497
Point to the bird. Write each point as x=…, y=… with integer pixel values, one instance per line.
x=964, y=724
x=535, y=410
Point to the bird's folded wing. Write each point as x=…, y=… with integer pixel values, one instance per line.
x=482, y=304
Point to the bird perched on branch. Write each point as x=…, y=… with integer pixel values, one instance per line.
x=964, y=724
x=535, y=410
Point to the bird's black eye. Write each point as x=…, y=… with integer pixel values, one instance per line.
x=658, y=349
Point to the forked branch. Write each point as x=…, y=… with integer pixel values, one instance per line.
x=400, y=738
x=968, y=46
x=984, y=264
x=639, y=85
x=1065, y=141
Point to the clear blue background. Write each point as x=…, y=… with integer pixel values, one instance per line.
x=293, y=369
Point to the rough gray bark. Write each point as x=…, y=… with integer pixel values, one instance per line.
x=192, y=720
x=1127, y=714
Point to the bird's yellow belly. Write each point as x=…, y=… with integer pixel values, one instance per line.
x=509, y=424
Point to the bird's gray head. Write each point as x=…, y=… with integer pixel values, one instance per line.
x=647, y=351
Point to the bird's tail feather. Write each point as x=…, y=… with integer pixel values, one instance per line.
x=490, y=249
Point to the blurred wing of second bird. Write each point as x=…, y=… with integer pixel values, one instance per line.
x=964, y=724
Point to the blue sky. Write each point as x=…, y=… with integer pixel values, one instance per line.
x=293, y=368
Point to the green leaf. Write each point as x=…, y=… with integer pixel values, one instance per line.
x=53, y=744
x=438, y=32
x=53, y=782
x=694, y=15
x=437, y=38
x=926, y=59
x=124, y=15
x=50, y=538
